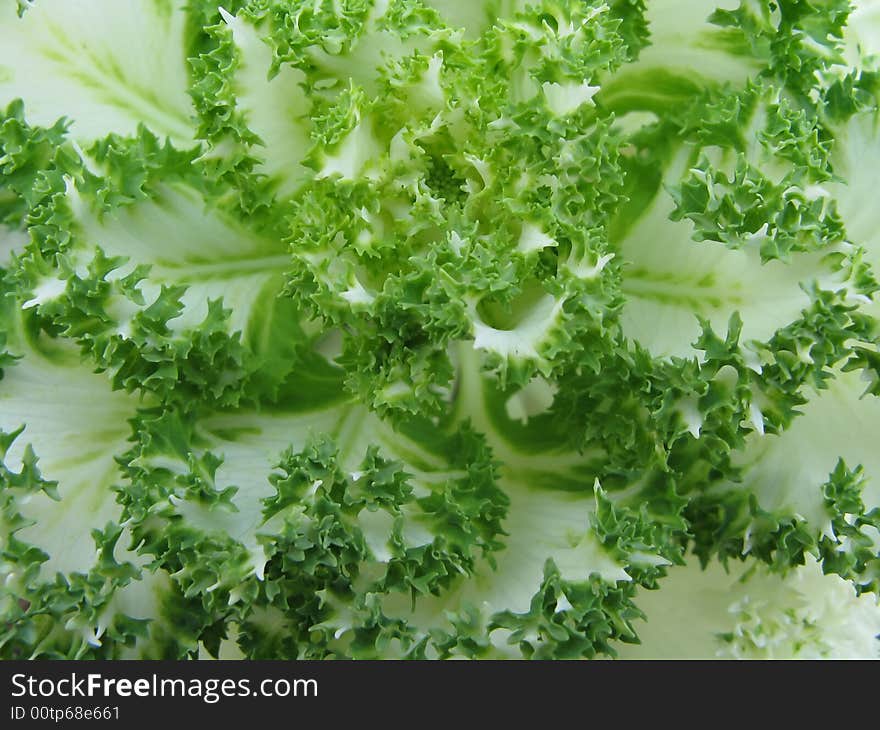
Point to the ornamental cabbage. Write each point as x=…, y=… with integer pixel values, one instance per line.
x=439, y=329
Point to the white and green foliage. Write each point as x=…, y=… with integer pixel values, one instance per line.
x=439, y=329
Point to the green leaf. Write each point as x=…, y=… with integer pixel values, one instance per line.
x=105, y=67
